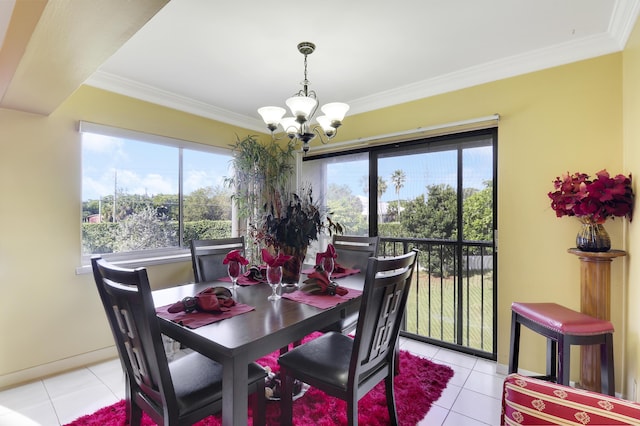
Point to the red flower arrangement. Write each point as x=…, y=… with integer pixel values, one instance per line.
x=600, y=198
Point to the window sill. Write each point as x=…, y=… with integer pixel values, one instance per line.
x=137, y=261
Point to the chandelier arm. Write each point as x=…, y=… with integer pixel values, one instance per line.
x=322, y=135
x=314, y=110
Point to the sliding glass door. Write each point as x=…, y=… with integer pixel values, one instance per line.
x=436, y=195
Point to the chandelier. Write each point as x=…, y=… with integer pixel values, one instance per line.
x=303, y=106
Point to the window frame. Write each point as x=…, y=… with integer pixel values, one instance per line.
x=140, y=258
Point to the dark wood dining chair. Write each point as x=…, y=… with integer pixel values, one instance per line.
x=180, y=392
x=348, y=368
x=354, y=253
x=207, y=257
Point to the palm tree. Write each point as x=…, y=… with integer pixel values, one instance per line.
x=398, y=177
x=382, y=188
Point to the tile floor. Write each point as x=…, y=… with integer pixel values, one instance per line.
x=471, y=398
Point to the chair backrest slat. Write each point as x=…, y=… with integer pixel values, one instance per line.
x=207, y=257
x=126, y=297
x=384, y=298
x=354, y=251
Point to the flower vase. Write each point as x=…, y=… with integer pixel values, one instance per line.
x=593, y=237
x=291, y=268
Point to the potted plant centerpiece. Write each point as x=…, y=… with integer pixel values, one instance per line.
x=275, y=216
x=261, y=174
x=290, y=224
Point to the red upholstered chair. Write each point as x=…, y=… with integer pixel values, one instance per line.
x=563, y=327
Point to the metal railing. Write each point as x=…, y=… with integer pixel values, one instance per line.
x=452, y=302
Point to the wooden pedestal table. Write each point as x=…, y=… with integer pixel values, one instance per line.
x=595, y=300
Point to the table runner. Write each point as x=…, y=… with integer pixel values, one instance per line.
x=199, y=319
x=322, y=301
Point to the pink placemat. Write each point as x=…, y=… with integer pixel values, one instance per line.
x=198, y=319
x=322, y=301
x=242, y=280
x=335, y=275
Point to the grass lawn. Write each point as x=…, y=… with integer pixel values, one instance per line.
x=431, y=309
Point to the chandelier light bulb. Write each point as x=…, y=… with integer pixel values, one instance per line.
x=301, y=107
x=290, y=126
x=272, y=116
x=325, y=123
x=335, y=111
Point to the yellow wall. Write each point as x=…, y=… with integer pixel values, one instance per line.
x=631, y=156
x=48, y=313
x=565, y=118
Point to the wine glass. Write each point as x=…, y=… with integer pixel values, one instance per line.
x=274, y=276
x=234, y=269
x=328, y=264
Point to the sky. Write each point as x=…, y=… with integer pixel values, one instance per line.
x=421, y=170
x=145, y=168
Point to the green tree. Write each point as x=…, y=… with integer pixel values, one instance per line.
x=434, y=217
x=167, y=204
x=125, y=205
x=442, y=205
x=89, y=208
x=477, y=218
x=382, y=185
x=208, y=203
x=145, y=230
x=398, y=178
x=415, y=217
x=347, y=209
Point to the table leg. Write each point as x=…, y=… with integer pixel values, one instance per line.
x=234, y=391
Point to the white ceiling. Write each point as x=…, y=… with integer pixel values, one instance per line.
x=223, y=60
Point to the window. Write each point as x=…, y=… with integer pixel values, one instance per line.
x=145, y=195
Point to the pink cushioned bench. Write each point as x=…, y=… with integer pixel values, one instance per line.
x=563, y=327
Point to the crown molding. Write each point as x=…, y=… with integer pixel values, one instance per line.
x=145, y=92
x=492, y=71
x=623, y=19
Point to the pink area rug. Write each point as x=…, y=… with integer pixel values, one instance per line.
x=418, y=385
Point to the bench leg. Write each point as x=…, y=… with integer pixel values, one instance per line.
x=515, y=343
x=607, y=376
x=552, y=361
x=564, y=360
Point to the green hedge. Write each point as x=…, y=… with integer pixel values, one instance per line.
x=101, y=237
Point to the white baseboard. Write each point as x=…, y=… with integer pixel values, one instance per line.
x=504, y=370
x=50, y=369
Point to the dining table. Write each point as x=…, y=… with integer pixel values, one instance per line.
x=235, y=342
